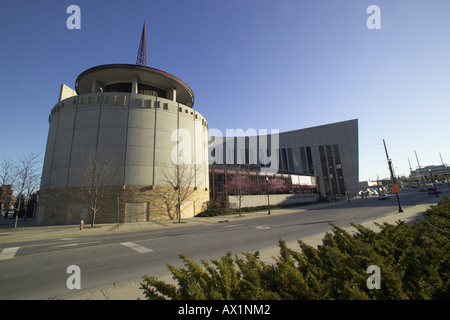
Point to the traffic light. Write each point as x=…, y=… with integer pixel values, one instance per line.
x=425, y=176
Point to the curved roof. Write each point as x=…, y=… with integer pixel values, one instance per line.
x=116, y=73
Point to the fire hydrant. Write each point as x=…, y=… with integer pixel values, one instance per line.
x=81, y=225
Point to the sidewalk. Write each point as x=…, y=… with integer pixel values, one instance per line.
x=30, y=231
x=131, y=290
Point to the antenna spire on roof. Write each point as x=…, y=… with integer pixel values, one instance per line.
x=142, y=54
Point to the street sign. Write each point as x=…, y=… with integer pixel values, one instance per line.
x=395, y=188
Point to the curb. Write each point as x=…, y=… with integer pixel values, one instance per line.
x=32, y=231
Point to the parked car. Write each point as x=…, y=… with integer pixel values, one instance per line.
x=383, y=196
x=433, y=190
x=423, y=189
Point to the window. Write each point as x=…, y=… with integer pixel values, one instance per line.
x=332, y=170
x=303, y=160
x=284, y=159
x=119, y=87
x=323, y=162
x=151, y=91
x=309, y=158
x=290, y=159
x=337, y=161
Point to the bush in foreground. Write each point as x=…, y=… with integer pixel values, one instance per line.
x=414, y=260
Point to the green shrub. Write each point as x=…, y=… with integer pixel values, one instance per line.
x=217, y=207
x=414, y=261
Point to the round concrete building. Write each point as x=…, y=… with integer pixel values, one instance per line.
x=143, y=120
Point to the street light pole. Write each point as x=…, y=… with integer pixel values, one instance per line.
x=392, y=176
x=434, y=185
x=268, y=200
x=118, y=212
x=445, y=170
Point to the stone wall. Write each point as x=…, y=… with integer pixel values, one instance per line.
x=120, y=204
x=275, y=199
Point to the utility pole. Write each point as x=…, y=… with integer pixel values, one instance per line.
x=268, y=199
x=434, y=184
x=118, y=212
x=392, y=175
x=420, y=169
x=410, y=169
x=445, y=169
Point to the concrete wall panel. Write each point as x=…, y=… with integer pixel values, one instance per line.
x=121, y=126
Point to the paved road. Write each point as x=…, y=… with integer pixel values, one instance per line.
x=38, y=269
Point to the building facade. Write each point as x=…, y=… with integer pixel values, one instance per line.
x=439, y=171
x=329, y=153
x=130, y=132
x=135, y=115
x=6, y=198
x=143, y=119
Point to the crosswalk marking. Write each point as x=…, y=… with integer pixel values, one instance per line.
x=136, y=247
x=8, y=253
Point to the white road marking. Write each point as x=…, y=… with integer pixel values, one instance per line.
x=74, y=244
x=264, y=227
x=8, y=253
x=67, y=245
x=136, y=247
x=233, y=225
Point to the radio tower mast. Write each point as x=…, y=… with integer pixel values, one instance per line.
x=142, y=54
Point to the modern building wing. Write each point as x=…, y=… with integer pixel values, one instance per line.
x=328, y=152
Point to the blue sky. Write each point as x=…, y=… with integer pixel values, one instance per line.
x=285, y=64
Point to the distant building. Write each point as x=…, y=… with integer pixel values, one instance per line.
x=440, y=170
x=6, y=197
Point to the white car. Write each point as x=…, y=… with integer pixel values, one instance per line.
x=383, y=196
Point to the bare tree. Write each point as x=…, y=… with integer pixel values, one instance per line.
x=6, y=171
x=182, y=179
x=169, y=198
x=95, y=176
x=26, y=181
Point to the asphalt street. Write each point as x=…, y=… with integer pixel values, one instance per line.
x=38, y=269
